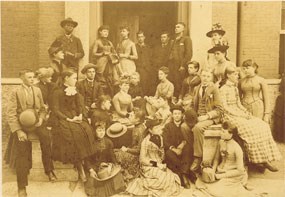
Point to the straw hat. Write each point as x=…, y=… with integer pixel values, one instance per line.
x=107, y=171
x=216, y=28
x=116, y=130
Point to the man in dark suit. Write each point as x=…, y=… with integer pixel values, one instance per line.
x=207, y=103
x=71, y=45
x=144, y=65
x=27, y=97
x=89, y=88
x=178, y=150
x=180, y=53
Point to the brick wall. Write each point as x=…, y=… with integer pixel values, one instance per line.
x=260, y=24
x=51, y=13
x=226, y=13
x=19, y=31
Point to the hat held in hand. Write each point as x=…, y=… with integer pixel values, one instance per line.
x=28, y=118
x=107, y=171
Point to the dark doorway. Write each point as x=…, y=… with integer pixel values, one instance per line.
x=150, y=17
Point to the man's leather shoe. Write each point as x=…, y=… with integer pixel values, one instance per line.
x=22, y=192
x=270, y=167
x=196, y=164
x=51, y=176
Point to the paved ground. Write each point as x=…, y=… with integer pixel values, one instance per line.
x=269, y=184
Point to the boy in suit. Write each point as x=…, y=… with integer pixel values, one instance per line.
x=207, y=103
x=28, y=97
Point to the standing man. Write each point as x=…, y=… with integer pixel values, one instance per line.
x=180, y=53
x=207, y=103
x=71, y=45
x=26, y=112
x=89, y=88
x=144, y=66
x=161, y=51
x=177, y=149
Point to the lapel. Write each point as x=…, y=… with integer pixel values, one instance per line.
x=197, y=96
x=21, y=95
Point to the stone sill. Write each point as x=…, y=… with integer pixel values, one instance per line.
x=17, y=81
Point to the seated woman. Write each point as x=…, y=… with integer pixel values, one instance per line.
x=228, y=169
x=164, y=89
x=156, y=178
x=136, y=91
x=122, y=102
x=162, y=110
x=102, y=113
x=73, y=138
x=256, y=134
x=189, y=83
x=128, y=157
x=103, y=175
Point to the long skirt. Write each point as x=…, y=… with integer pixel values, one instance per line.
x=72, y=142
x=106, y=188
x=225, y=187
x=155, y=182
x=258, y=141
x=129, y=163
x=128, y=66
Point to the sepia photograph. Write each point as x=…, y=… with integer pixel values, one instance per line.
x=143, y=98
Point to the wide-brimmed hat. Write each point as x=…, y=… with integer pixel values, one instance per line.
x=216, y=28
x=107, y=171
x=88, y=66
x=44, y=72
x=28, y=118
x=177, y=107
x=218, y=47
x=116, y=130
x=68, y=20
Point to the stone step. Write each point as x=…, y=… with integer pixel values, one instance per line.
x=211, y=139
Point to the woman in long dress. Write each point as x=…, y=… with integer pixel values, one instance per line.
x=156, y=179
x=227, y=169
x=73, y=137
x=127, y=52
x=102, y=50
x=251, y=88
x=256, y=134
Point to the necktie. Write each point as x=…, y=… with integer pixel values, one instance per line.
x=203, y=90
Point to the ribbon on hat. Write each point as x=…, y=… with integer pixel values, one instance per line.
x=217, y=26
x=70, y=91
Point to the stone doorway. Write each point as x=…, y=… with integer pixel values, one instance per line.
x=150, y=17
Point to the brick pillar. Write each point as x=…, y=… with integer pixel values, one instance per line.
x=201, y=22
x=259, y=35
x=79, y=11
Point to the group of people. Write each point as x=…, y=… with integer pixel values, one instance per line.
x=124, y=135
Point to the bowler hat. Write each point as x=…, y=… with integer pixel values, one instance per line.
x=177, y=107
x=88, y=66
x=28, y=118
x=218, y=47
x=107, y=171
x=68, y=20
x=216, y=28
x=116, y=130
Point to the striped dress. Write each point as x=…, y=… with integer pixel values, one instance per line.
x=154, y=181
x=256, y=134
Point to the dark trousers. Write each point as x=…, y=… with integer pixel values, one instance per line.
x=23, y=158
x=180, y=164
x=176, y=76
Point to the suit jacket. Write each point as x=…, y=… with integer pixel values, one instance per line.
x=160, y=55
x=83, y=88
x=17, y=104
x=213, y=102
x=74, y=46
x=181, y=51
x=172, y=135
